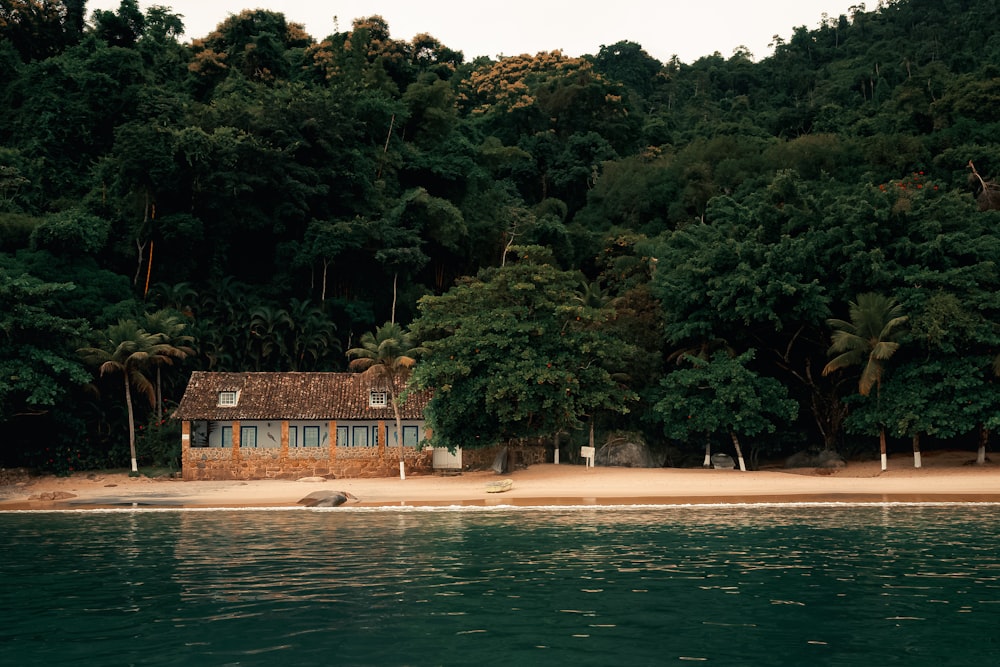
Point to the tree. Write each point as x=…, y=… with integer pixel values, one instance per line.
x=313, y=335
x=513, y=355
x=169, y=325
x=37, y=370
x=942, y=396
x=128, y=349
x=41, y=28
x=868, y=340
x=721, y=393
x=388, y=356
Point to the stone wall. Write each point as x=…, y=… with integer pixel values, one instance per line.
x=204, y=464
x=520, y=456
x=228, y=463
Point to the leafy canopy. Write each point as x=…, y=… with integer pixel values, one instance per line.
x=516, y=353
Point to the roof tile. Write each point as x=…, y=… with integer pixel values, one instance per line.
x=305, y=396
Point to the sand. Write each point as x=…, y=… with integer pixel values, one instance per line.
x=944, y=477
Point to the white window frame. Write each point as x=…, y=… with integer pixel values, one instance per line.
x=310, y=436
x=248, y=436
x=378, y=399
x=228, y=399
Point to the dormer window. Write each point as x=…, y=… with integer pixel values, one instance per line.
x=228, y=399
x=378, y=399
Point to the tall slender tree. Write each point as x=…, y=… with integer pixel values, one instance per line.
x=387, y=356
x=128, y=349
x=169, y=326
x=868, y=340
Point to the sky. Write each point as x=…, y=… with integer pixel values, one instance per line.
x=689, y=29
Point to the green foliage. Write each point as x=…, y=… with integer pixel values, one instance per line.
x=294, y=191
x=159, y=441
x=721, y=394
x=37, y=364
x=514, y=353
x=71, y=232
x=868, y=340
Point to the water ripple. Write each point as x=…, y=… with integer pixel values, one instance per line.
x=730, y=584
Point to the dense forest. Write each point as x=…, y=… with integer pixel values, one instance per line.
x=800, y=250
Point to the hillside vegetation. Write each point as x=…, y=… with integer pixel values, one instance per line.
x=800, y=250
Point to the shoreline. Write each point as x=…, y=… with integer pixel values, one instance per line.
x=945, y=478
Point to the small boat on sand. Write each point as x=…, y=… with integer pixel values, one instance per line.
x=500, y=486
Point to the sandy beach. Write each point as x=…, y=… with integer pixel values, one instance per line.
x=944, y=477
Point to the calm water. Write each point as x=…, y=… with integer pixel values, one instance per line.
x=729, y=585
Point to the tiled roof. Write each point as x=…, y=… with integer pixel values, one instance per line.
x=289, y=396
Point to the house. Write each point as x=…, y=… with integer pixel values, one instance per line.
x=291, y=425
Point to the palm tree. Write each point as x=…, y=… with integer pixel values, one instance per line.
x=312, y=333
x=126, y=348
x=169, y=325
x=387, y=356
x=868, y=340
x=266, y=343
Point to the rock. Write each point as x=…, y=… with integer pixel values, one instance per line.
x=501, y=464
x=625, y=451
x=723, y=462
x=815, y=458
x=52, y=495
x=327, y=498
x=830, y=459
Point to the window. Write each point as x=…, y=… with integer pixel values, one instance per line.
x=310, y=436
x=293, y=436
x=248, y=436
x=359, y=436
x=227, y=399
x=411, y=436
x=342, y=437
x=227, y=437
x=378, y=399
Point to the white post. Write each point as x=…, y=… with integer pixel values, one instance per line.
x=402, y=471
x=916, y=459
x=885, y=462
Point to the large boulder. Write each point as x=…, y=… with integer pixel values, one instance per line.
x=815, y=458
x=722, y=461
x=327, y=498
x=625, y=451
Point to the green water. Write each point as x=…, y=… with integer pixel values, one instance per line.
x=723, y=585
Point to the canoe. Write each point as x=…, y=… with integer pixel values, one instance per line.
x=500, y=486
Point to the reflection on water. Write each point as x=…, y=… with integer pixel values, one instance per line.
x=732, y=585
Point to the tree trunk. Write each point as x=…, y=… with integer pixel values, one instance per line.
x=322, y=296
x=159, y=396
x=916, y=450
x=395, y=277
x=984, y=437
x=881, y=442
x=708, y=452
x=399, y=436
x=131, y=422
x=739, y=451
